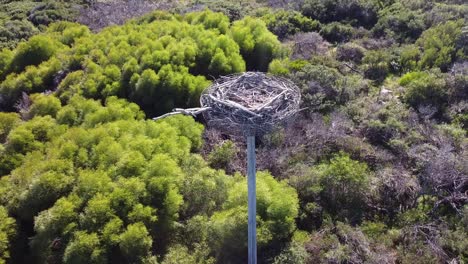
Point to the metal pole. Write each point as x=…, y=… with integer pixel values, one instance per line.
x=252, y=201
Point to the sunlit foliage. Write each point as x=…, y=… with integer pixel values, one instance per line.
x=160, y=62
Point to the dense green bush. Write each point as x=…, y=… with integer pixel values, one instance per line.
x=33, y=80
x=44, y=105
x=376, y=64
x=7, y=232
x=222, y=155
x=112, y=186
x=440, y=45
x=38, y=49
x=15, y=31
x=357, y=12
x=409, y=58
x=8, y=121
x=446, y=10
x=425, y=90
x=400, y=23
x=19, y=20
x=158, y=64
x=284, y=23
x=337, y=32
x=233, y=10
x=324, y=87
x=277, y=207
x=383, y=131
x=344, y=184
x=257, y=45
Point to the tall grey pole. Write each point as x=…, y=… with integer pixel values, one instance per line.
x=252, y=201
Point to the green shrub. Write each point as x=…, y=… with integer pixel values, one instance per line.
x=427, y=90
x=324, y=87
x=15, y=31
x=6, y=57
x=284, y=23
x=439, y=45
x=34, y=79
x=376, y=64
x=7, y=232
x=135, y=242
x=38, y=49
x=8, y=121
x=46, y=13
x=409, y=58
x=356, y=12
x=295, y=253
x=382, y=132
x=277, y=207
x=279, y=67
x=222, y=155
x=179, y=254
x=160, y=62
x=337, y=32
x=44, y=105
x=411, y=77
x=84, y=248
x=344, y=184
x=257, y=45
x=400, y=23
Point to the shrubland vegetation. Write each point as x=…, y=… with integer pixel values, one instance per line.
x=373, y=170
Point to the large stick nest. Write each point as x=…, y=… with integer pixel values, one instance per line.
x=250, y=103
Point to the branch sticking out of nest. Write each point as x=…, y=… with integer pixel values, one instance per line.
x=189, y=111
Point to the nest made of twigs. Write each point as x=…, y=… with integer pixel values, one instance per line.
x=250, y=103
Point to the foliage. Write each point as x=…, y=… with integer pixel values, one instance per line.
x=344, y=185
x=222, y=155
x=7, y=122
x=424, y=90
x=324, y=87
x=356, y=12
x=43, y=105
x=15, y=31
x=284, y=23
x=109, y=181
x=257, y=45
x=343, y=243
x=294, y=253
x=7, y=232
x=441, y=45
x=409, y=58
x=337, y=32
x=170, y=68
x=277, y=207
x=377, y=65
x=181, y=255
x=135, y=242
x=19, y=20
x=233, y=10
x=372, y=170
x=38, y=49
x=399, y=22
